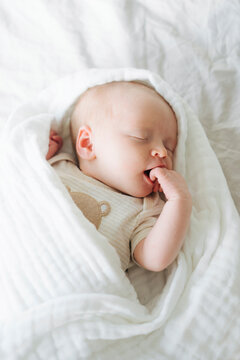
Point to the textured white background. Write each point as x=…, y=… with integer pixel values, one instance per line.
x=193, y=45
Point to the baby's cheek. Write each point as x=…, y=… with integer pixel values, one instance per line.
x=169, y=163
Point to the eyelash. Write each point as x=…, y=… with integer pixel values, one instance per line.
x=146, y=139
x=139, y=139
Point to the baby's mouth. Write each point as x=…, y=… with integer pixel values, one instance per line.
x=146, y=174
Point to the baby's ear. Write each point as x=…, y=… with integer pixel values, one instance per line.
x=84, y=145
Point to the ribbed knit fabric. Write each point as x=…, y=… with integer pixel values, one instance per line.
x=124, y=220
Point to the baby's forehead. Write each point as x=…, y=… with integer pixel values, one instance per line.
x=108, y=95
x=114, y=100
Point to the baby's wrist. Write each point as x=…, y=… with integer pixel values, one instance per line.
x=184, y=198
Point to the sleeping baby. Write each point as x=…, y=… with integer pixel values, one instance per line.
x=124, y=135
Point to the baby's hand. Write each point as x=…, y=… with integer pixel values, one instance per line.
x=55, y=144
x=171, y=183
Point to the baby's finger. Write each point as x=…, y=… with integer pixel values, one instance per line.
x=152, y=176
x=58, y=139
x=155, y=187
x=156, y=172
x=52, y=132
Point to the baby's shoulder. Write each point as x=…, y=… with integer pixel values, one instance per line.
x=64, y=163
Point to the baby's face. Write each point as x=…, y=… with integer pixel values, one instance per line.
x=141, y=135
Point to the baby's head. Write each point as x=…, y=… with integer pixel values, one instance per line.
x=120, y=131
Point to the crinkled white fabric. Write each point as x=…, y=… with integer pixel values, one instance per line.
x=63, y=293
x=194, y=45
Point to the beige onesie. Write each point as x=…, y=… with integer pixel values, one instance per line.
x=124, y=220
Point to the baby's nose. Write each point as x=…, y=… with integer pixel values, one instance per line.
x=161, y=152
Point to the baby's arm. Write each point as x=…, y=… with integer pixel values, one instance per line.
x=55, y=144
x=161, y=246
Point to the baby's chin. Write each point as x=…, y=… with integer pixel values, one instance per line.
x=139, y=193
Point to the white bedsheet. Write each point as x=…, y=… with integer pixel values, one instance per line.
x=194, y=47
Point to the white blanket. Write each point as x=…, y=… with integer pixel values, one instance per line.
x=63, y=294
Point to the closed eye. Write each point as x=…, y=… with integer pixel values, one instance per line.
x=170, y=152
x=138, y=138
x=168, y=147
